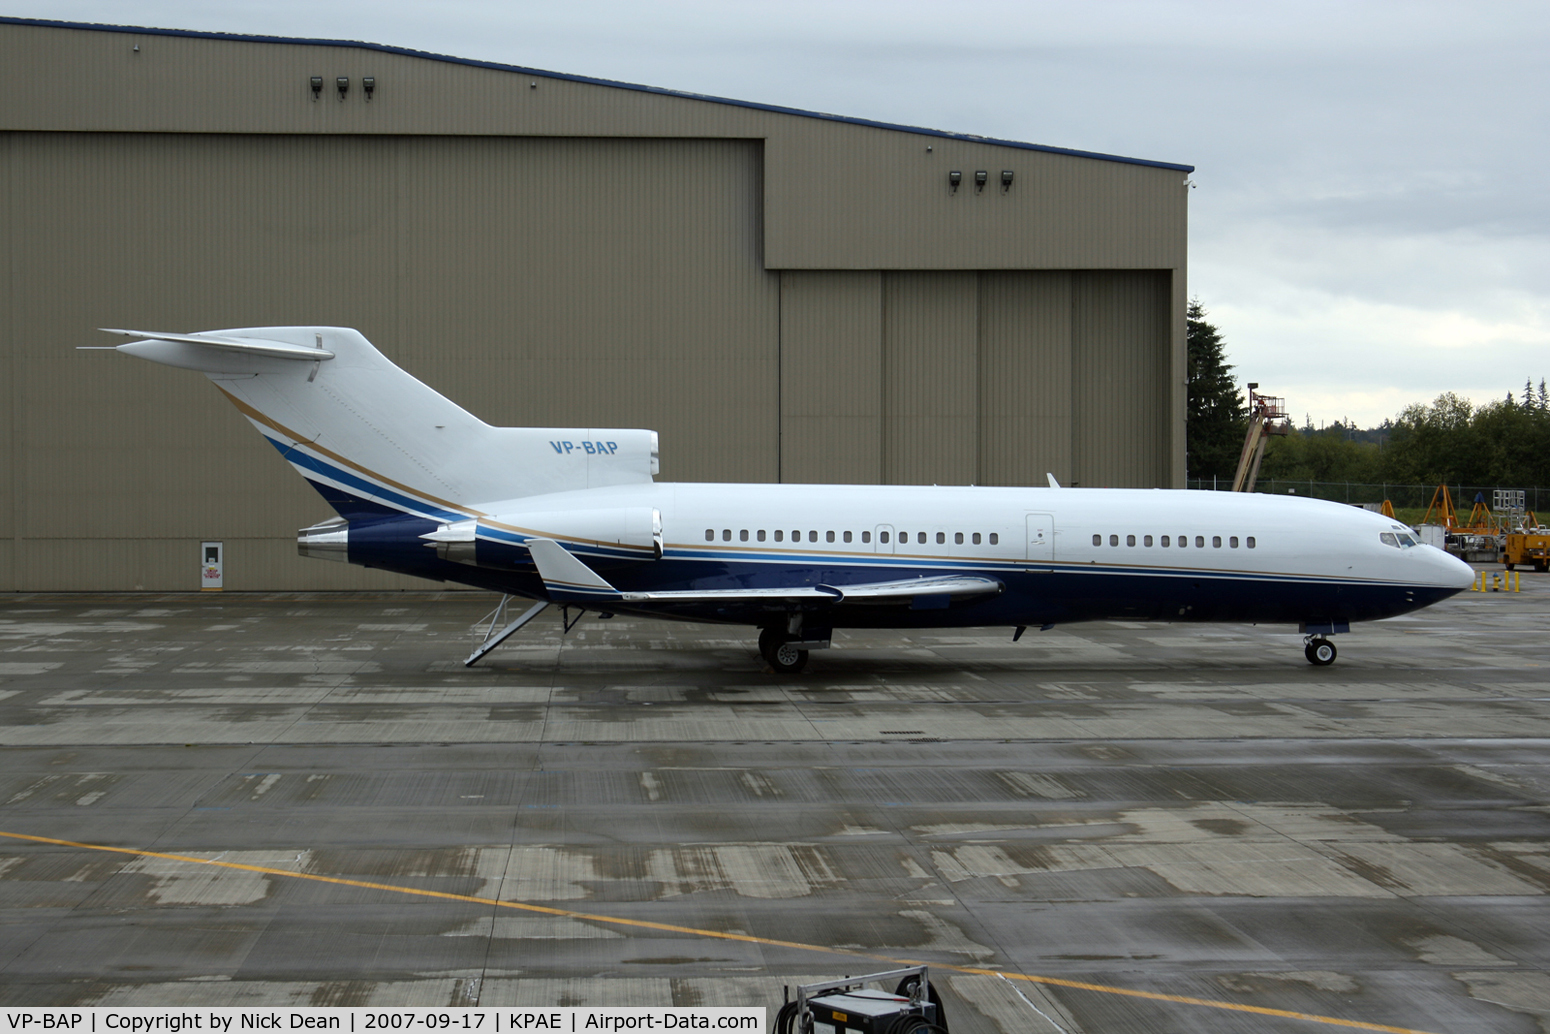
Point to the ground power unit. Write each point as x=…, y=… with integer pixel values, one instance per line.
x=847, y=1006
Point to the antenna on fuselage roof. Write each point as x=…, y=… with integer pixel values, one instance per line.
x=1052, y=482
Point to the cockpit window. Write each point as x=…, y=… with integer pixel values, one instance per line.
x=1389, y=539
x=1399, y=540
x=1406, y=541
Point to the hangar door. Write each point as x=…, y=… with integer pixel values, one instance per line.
x=534, y=281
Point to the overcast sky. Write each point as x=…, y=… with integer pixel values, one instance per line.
x=1370, y=223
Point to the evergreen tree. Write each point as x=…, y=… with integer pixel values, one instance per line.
x=1217, y=418
x=1544, y=397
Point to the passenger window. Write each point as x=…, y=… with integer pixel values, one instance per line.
x=828, y=536
x=976, y=538
x=812, y=536
x=994, y=538
x=1183, y=541
x=710, y=535
x=1216, y=542
x=847, y=536
x=761, y=534
x=1113, y=540
x=920, y=537
x=743, y=535
x=1200, y=542
x=1147, y=541
x=1233, y=542
x=882, y=536
x=796, y=536
x=866, y=536
x=1249, y=542
x=779, y=535
x=1165, y=542
x=726, y=534
x=1130, y=540
x=1097, y=540
x=957, y=538
x=941, y=538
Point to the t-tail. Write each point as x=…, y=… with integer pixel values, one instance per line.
x=378, y=443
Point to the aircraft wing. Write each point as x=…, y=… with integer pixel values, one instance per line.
x=569, y=580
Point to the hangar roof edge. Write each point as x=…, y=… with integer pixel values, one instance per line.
x=663, y=91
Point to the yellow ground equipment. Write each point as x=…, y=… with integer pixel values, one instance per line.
x=1527, y=548
x=1442, y=506
x=1523, y=539
x=1267, y=416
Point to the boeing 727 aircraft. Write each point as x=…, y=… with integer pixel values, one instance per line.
x=574, y=517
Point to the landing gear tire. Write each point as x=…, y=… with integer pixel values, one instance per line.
x=1319, y=652
x=779, y=653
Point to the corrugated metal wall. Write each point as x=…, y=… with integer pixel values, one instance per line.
x=839, y=195
x=780, y=296
x=534, y=281
x=1025, y=378
x=991, y=378
x=930, y=378
x=1121, y=390
x=831, y=384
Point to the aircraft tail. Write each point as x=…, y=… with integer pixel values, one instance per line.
x=375, y=441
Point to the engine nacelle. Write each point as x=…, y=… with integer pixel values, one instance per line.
x=630, y=533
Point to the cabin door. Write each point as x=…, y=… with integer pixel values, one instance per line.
x=1041, y=536
x=885, y=536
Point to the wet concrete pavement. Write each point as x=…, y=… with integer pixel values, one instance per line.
x=1186, y=811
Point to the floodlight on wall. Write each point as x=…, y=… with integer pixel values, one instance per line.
x=343, y=82
x=1006, y=180
x=317, y=87
x=369, y=84
x=980, y=176
x=953, y=179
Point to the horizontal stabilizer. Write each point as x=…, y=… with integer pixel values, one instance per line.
x=249, y=346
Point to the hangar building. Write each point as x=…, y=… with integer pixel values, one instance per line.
x=783, y=295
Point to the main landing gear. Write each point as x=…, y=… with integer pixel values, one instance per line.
x=780, y=651
x=1318, y=650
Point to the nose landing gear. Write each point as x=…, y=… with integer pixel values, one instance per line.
x=1318, y=650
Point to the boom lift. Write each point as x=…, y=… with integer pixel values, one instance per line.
x=1264, y=411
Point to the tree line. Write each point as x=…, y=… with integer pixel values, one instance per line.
x=1449, y=440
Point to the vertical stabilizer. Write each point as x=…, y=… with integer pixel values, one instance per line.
x=376, y=441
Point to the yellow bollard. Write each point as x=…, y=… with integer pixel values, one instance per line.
x=1517, y=581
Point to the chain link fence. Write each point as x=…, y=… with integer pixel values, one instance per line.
x=1403, y=497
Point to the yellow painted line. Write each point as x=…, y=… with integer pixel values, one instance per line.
x=1079, y=985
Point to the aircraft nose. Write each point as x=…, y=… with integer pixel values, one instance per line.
x=1452, y=572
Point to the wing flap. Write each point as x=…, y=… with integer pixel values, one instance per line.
x=566, y=577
